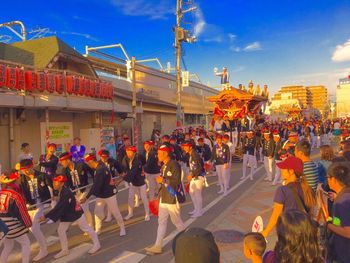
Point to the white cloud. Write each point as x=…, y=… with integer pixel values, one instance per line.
x=87, y=36
x=253, y=47
x=148, y=8
x=342, y=52
x=200, y=22
x=235, y=49
x=232, y=37
x=217, y=39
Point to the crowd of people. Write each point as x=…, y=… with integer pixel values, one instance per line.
x=58, y=188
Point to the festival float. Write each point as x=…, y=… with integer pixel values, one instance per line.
x=237, y=103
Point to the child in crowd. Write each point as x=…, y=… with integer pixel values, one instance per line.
x=254, y=246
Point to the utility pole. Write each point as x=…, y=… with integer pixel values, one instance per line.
x=133, y=103
x=181, y=35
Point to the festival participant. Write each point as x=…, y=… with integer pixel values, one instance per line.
x=339, y=181
x=226, y=140
x=48, y=163
x=132, y=165
x=203, y=150
x=268, y=153
x=35, y=188
x=115, y=169
x=68, y=211
x=289, y=145
x=151, y=167
x=221, y=156
x=25, y=154
x=77, y=178
x=248, y=146
x=77, y=151
x=168, y=204
x=195, y=178
x=14, y=214
x=277, y=156
x=105, y=191
x=295, y=193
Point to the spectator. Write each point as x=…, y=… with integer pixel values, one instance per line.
x=327, y=155
x=297, y=240
x=110, y=147
x=254, y=246
x=25, y=154
x=77, y=150
x=295, y=193
x=339, y=181
x=195, y=245
x=303, y=151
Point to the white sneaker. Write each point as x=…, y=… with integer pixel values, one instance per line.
x=61, y=254
x=147, y=218
x=192, y=212
x=128, y=217
x=122, y=232
x=94, y=249
x=108, y=219
x=225, y=193
x=251, y=179
x=242, y=178
x=196, y=215
x=221, y=191
x=41, y=255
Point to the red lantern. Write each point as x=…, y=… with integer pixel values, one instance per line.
x=81, y=86
x=41, y=81
x=69, y=84
x=50, y=83
x=2, y=75
x=76, y=85
x=11, y=78
x=30, y=80
x=110, y=91
x=154, y=206
x=20, y=84
x=60, y=83
x=92, y=88
x=86, y=87
x=97, y=89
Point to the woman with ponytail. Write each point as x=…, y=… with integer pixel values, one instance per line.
x=295, y=193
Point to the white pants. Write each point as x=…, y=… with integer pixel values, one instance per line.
x=79, y=195
x=10, y=243
x=251, y=161
x=277, y=173
x=222, y=176
x=166, y=210
x=152, y=184
x=318, y=141
x=235, y=139
x=141, y=191
x=112, y=206
x=268, y=163
x=83, y=225
x=35, y=215
x=196, y=186
x=185, y=170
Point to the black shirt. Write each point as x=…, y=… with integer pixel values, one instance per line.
x=67, y=209
x=171, y=173
x=133, y=171
x=150, y=161
x=36, y=190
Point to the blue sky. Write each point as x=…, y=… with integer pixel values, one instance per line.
x=270, y=42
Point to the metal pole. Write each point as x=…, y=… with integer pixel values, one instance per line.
x=11, y=137
x=179, y=116
x=133, y=103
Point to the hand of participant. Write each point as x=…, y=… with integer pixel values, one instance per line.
x=42, y=219
x=159, y=179
x=83, y=200
x=225, y=165
x=189, y=178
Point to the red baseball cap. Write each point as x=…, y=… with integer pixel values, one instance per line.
x=90, y=157
x=131, y=149
x=59, y=178
x=292, y=163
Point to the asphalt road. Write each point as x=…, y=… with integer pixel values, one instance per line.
x=140, y=234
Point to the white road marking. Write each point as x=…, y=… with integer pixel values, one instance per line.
x=189, y=221
x=127, y=257
x=74, y=253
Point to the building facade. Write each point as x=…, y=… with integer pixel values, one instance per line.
x=35, y=108
x=343, y=98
